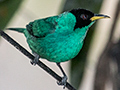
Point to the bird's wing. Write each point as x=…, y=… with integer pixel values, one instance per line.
x=63, y=23
x=42, y=27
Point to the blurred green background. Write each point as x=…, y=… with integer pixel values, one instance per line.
x=90, y=70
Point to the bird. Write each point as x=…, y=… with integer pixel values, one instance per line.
x=59, y=38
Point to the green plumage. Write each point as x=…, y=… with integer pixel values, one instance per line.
x=59, y=38
x=54, y=38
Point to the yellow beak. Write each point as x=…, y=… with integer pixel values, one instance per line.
x=98, y=16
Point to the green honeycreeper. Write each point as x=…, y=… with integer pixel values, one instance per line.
x=59, y=38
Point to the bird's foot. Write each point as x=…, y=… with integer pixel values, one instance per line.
x=63, y=81
x=36, y=59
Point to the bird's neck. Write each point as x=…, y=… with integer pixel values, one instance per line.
x=81, y=32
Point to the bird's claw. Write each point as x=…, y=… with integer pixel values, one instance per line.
x=63, y=81
x=36, y=59
x=34, y=62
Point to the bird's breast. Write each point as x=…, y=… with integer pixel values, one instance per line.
x=57, y=48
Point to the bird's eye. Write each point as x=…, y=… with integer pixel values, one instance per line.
x=84, y=16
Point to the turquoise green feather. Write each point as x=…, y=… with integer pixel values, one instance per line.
x=59, y=38
x=54, y=38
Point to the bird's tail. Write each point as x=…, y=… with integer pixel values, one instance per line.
x=21, y=30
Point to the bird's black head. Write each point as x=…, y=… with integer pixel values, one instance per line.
x=82, y=16
x=85, y=17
